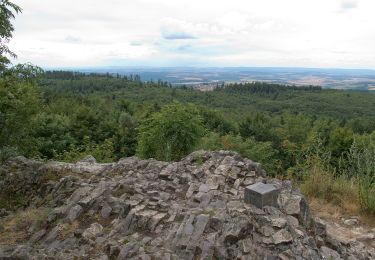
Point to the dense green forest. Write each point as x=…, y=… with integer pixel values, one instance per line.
x=69, y=114
x=65, y=116
x=323, y=139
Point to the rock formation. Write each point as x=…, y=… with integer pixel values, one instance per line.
x=147, y=209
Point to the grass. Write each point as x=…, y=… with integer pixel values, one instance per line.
x=349, y=187
x=366, y=191
x=67, y=229
x=321, y=184
x=333, y=196
x=11, y=200
x=13, y=228
x=50, y=175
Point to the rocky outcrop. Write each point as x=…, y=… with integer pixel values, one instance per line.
x=147, y=209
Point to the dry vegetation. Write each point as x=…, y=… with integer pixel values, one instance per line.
x=14, y=228
x=335, y=197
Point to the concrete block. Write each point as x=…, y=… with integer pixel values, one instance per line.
x=260, y=195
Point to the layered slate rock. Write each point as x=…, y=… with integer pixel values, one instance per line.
x=146, y=209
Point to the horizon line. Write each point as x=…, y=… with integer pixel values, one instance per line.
x=200, y=67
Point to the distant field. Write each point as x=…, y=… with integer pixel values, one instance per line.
x=327, y=78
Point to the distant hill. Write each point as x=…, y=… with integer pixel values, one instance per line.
x=359, y=79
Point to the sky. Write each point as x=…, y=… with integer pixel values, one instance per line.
x=198, y=33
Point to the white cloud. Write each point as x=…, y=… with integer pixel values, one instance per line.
x=72, y=39
x=174, y=29
x=319, y=33
x=349, y=4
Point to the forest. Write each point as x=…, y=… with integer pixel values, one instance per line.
x=296, y=133
x=322, y=139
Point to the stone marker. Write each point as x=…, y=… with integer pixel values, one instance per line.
x=260, y=195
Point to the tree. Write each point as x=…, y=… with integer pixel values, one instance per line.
x=19, y=97
x=7, y=13
x=126, y=135
x=171, y=133
x=51, y=133
x=215, y=121
x=341, y=139
x=258, y=126
x=18, y=103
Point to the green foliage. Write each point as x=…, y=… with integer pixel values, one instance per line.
x=103, y=152
x=171, y=133
x=7, y=152
x=259, y=127
x=126, y=136
x=51, y=133
x=18, y=103
x=7, y=13
x=361, y=165
x=295, y=128
x=214, y=121
x=19, y=96
x=341, y=139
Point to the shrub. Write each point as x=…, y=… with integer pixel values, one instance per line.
x=103, y=152
x=6, y=152
x=171, y=133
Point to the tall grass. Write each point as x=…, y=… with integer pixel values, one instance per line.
x=323, y=183
x=361, y=166
x=352, y=183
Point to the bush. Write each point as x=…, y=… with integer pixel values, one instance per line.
x=171, y=133
x=6, y=152
x=103, y=152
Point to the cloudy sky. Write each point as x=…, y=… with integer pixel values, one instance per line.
x=287, y=33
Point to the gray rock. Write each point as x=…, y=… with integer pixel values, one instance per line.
x=278, y=222
x=320, y=228
x=106, y=210
x=296, y=205
x=246, y=245
x=88, y=159
x=328, y=253
x=128, y=251
x=52, y=235
x=93, y=231
x=74, y=213
x=282, y=236
x=146, y=209
x=37, y=236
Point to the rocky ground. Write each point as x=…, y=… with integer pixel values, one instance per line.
x=146, y=209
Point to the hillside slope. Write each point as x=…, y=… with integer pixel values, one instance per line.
x=147, y=209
